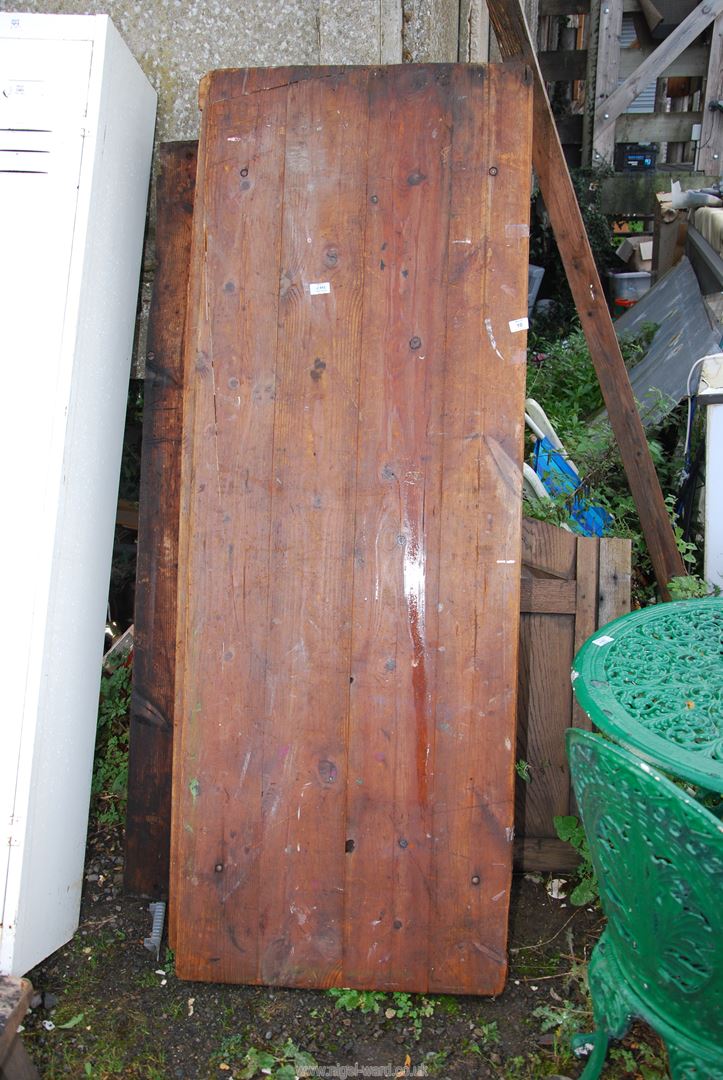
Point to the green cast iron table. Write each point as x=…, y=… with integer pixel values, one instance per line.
x=653, y=681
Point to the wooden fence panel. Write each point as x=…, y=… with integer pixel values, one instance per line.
x=589, y=580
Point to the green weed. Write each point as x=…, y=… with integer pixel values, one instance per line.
x=523, y=770
x=357, y=1000
x=571, y=831
x=285, y=1062
x=110, y=767
x=413, y=1008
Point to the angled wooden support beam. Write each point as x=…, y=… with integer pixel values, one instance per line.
x=514, y=39
x=607, y=112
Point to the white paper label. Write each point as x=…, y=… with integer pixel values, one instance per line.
x=604, y=640
x=519, y=324
x=318, y=287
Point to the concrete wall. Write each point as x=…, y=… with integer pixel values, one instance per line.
x=178, y=41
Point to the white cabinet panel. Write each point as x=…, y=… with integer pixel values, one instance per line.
x=76, y=133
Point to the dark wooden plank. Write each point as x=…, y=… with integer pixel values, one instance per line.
x=662, y=127
x=613, y=599
x=545, y=854
x=543, y=715
x=692, y=61
x=396, y=549
x=564, y=7
x=569, y=130
x=587, y=600
x=563, y=65
x=229, y=400
x=474, y=753
x=302, y=903
x=127, y=514
x=546, y=595
x=546, y=549
x=513, y=37
x=15, y=995
x=151, y=725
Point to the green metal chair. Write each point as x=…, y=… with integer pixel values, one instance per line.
x=658, y=856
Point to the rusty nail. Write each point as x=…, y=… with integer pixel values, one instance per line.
x=403, y=843
x=415, y=343
x=244, y=172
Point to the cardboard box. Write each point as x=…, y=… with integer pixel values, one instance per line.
x=637, y=252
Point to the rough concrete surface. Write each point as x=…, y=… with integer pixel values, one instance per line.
x=178, y=41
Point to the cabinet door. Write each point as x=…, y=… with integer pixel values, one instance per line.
x=349, y=553
x=43, y=97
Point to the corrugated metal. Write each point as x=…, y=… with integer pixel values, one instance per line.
x=645, y=102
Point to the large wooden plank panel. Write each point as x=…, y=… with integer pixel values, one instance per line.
x=349, y=601
x=397, y=530
x=147, y=843
x=313, y=474
x=225, y=535
x=479, y=575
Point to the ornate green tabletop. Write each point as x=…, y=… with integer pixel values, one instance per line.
x=653, y=680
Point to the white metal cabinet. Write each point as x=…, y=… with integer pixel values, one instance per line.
x=76, y=136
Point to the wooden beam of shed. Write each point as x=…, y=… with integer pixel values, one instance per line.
x=563, y=65
x=606, y=74
x=711, y=141
x=564, y=7
x=655, y=64
x=515, y=42
x=692, y=61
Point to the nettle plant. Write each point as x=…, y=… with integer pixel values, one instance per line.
x=110, y=767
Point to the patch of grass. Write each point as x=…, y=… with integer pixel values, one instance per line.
x=107, y=1044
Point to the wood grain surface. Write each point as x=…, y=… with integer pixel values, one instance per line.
x=147, y=847
x=571, y=585
x=350, y=528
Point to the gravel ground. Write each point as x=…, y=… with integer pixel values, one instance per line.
x=105, y=1008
